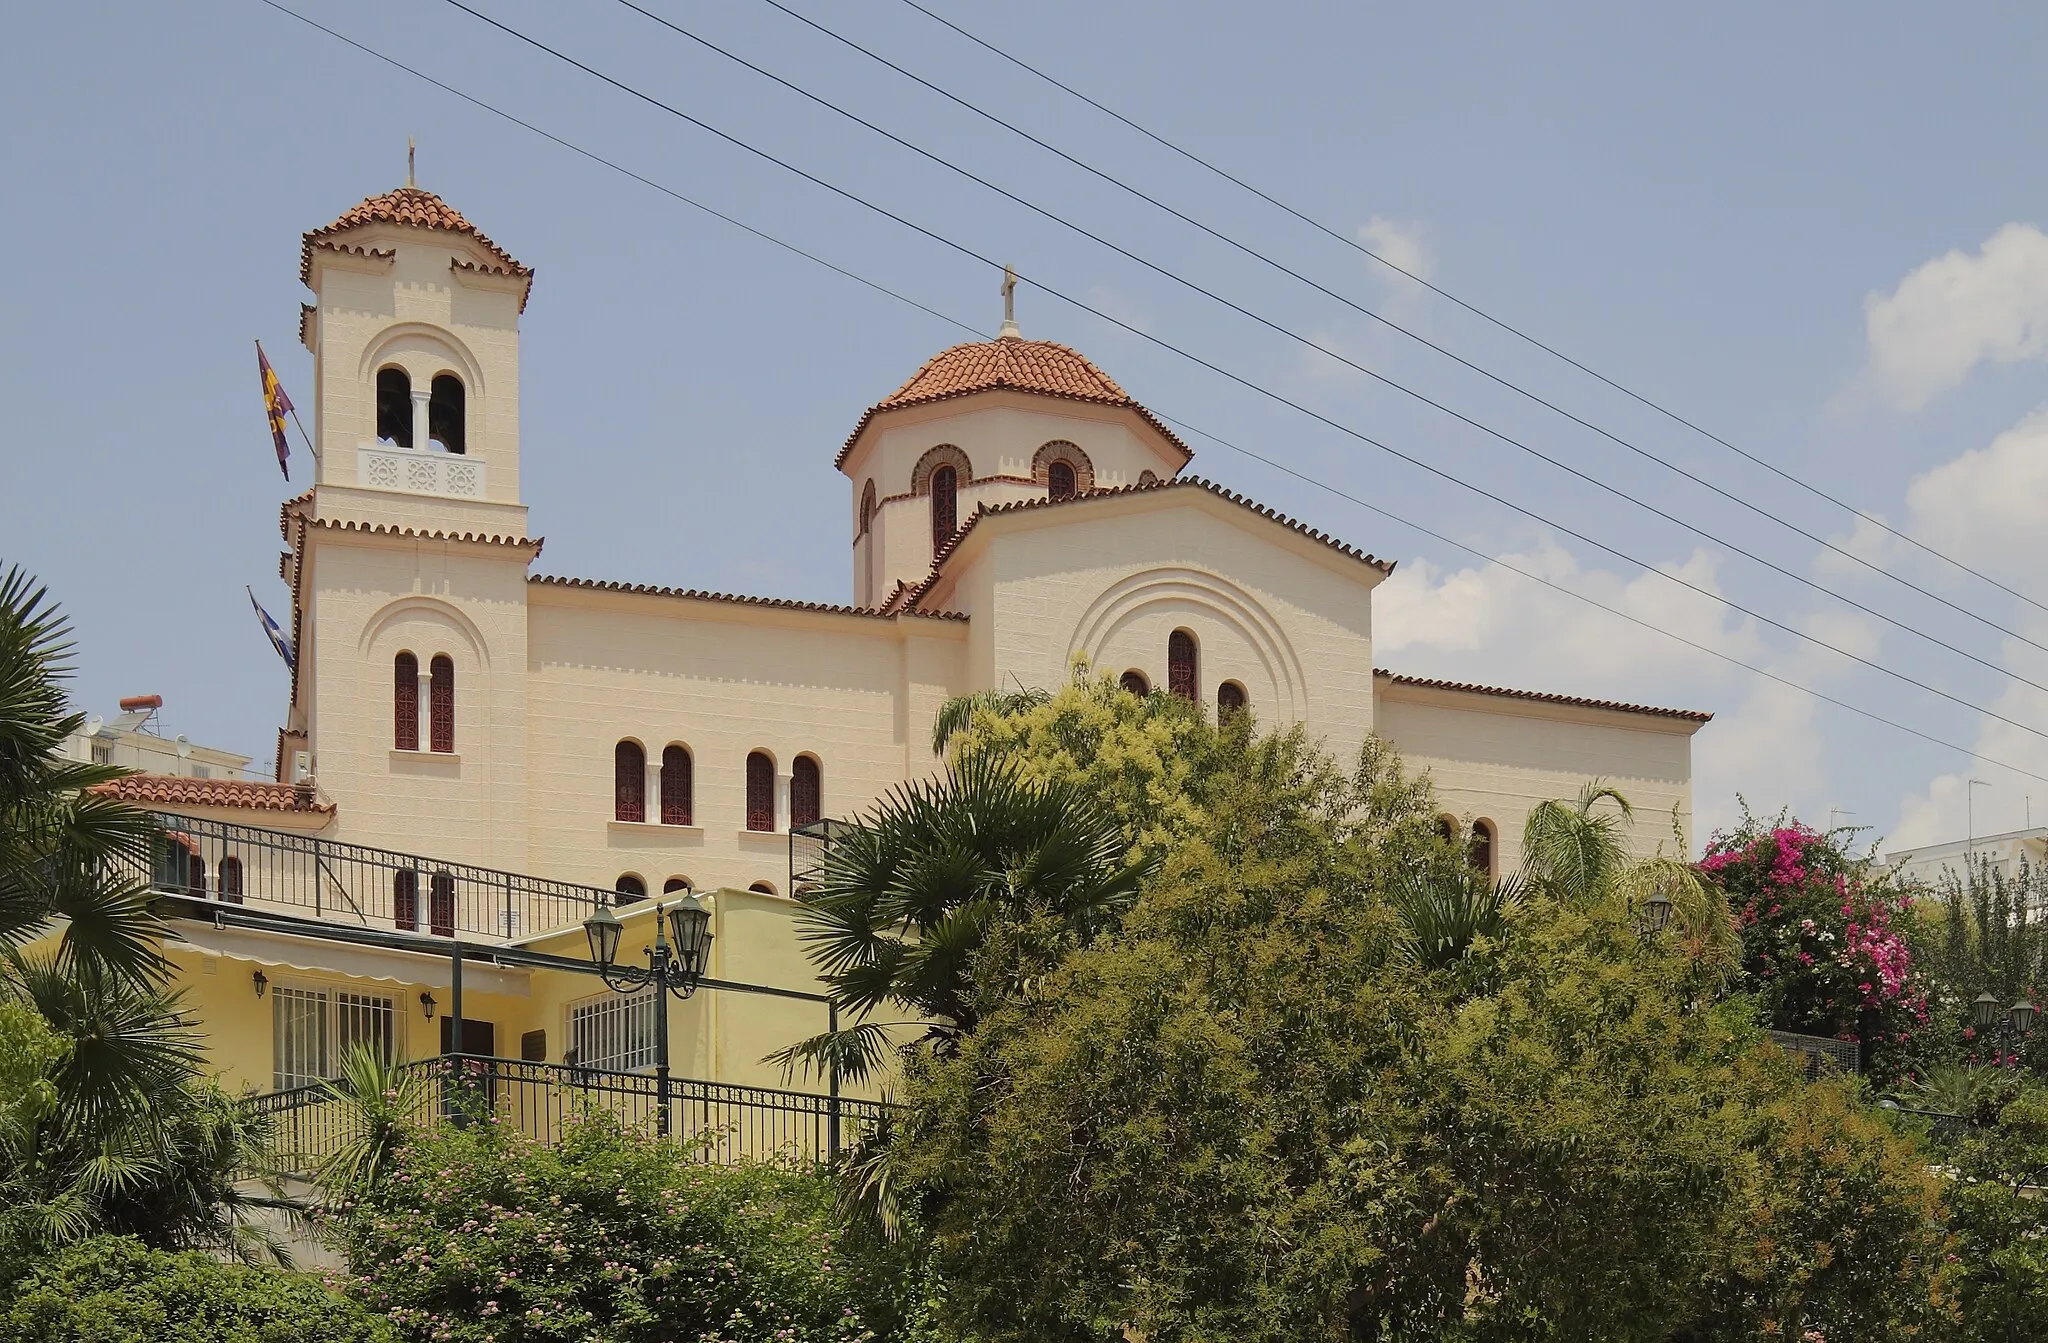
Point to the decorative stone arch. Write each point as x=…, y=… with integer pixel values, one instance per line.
x=435, y=610
x=945, y=454
x=867, y=510
x=1060, y=450
x=429, y=350
x=1214, y=598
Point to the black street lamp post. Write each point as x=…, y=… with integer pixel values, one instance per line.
x=2014, y=1025
x=676, y=969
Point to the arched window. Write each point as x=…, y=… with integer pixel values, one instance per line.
x=195, y=876
x=441, y=904
x=1148, y=477
x=1180, y=664
x=867, y=508
x=405, y=702
x=231, y=880
x=1135, y=682
x=1447, y=829
x=629, y=782
x=945, y=505
x=441, y=702
x=763, y=887
x=1230, y=700
x=675, y=884
x=394, y=407
x=1479, y=852
x=806, y=792
x=675, y=785
x=446, y=414
x=405, y=899
x=1059, y=480
x=760, y=792
x=631, y=890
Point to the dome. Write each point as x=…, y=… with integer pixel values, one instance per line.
x=412, y=206
x=1008, y=363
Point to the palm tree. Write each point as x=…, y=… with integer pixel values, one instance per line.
x=1445, y=911
x=63, y=849
x=957, y=714
x=381, y=1102
x=946, y=884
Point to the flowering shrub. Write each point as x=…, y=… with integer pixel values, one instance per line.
x=609, y=1237
x=1825, y=949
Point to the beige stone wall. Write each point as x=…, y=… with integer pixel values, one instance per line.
x=1495, y=758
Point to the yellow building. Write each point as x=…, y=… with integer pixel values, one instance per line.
x=477, y=756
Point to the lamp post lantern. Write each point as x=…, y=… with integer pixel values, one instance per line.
x=676, y=968
x=1655, y=914
x=2013, y=1025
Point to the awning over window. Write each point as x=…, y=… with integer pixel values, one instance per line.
x=314, y=956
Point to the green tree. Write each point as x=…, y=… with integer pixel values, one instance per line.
x=978, y=870
x=64, y=850
x=1998, y=1212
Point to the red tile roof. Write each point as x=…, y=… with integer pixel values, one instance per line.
x=697, y=594
x=1689, y=715
x=169, y=790
x=418, y=208
x=1014, y=364
x=426, y=534
x=1177, y=483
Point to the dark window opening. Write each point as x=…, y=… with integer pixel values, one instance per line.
x=195, y=876
x=629, y=782
x=945, y=505
x=441, y=904
x=1230, y=699
x=394, y=407
x=405, y=900
x=631, y=889
x=867, y=508
x=441, y=706
x=405, y=702
x=1480, y=851
x=674, y=884
x=676, y=785
x=760, y=792
x=762, y=888
x=445, y=415
x=1447, y=829
x=806, y=792
x=1180, y=664
x=1135, y=682
x=231, y=880
x=1059, y=480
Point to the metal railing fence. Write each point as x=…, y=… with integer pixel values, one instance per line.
x=719, y=1122
x=353, y=883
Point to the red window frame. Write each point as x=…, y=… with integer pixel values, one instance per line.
x=806, y=792
x=945, y=505
x=405, y=702
x=441, y=703
x=629, y=781
x=677, y=783
x=1182, y=665
x=760, y=792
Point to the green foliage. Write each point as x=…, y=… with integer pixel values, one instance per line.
x=62, y=848
x=113, y=1289
x=377, y=1098
x=981, y=869
x=612, y=1237
x=1998, y=1213
x=1983, y=931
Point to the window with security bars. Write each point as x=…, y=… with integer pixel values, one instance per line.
x=614, y=1032
x=316, y=1028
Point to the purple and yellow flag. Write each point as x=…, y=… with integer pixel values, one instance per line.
x=277, y=405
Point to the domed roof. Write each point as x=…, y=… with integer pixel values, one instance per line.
x=415, y=206
x=1007, y=363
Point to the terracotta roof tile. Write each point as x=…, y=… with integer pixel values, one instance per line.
x=1542, y=697
x=418, y=208
x=697, y=594
x=1038, y=366
x=1177, y=483
x=424, y=534
x=170, y=790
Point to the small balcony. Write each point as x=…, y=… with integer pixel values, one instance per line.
x=334, y=882
x=409, y=471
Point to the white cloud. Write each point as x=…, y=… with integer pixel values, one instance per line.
x=1401, y=243
x=1984, y=507
x=1956, y=312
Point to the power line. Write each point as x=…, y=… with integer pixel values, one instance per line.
x=1247, y=383
x=1246, y=452
x=1614, y=490
x=1472, y=308
x=1392, y=325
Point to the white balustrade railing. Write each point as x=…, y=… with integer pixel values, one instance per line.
x=410, y=471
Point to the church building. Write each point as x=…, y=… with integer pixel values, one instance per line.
x=461, y=720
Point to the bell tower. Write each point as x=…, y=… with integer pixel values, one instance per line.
x=414, y=332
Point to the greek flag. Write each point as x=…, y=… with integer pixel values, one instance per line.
x=276, y=635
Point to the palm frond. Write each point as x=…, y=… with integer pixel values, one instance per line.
x=956, y=715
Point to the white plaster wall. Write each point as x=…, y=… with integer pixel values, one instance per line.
x=413, y=312
x=1496, y=758
x=1112, y=579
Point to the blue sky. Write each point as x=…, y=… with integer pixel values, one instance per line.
x=1813, y=230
